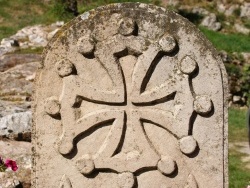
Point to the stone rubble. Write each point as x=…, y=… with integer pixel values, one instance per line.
x=241, y=29
x=29, y=37
x=210, y=21
x=231, y=10
x=245, y=10
x=15, y=125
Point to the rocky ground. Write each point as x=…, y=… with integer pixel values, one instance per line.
x=17, y=73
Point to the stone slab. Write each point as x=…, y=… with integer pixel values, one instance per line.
x=130, y=95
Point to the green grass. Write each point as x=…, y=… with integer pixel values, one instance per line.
x=16, y=14
x=228, y=42
x=237, y=125
x=239, y=176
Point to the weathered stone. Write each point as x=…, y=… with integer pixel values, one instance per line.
x=241, y=29
x=210, y=21
x=231, y=9
x=29, y=37
x=10, y=107
x=16, y=125
x=15, y=83
x=246, y=56
x=130, y=95
x=245, y=10
x=11, y=60
x=236, y=99
x=200, y=11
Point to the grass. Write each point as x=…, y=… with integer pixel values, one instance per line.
x=87, y=5
x=237, y=125
x=228, y=42
x=239, y=176
x=13, y=13
x=16, y=14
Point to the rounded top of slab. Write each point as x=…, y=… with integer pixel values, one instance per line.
x=138, y=9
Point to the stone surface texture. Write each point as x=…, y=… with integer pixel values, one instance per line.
x=130, y=95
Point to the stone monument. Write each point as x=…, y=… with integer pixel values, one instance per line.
x=130, y=95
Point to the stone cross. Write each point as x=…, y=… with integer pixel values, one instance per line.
x=130, y=95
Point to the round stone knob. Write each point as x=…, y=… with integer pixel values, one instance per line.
x=127, y=26
x=188, y=145
x=64, y=67
x=166, y=165
x=187, y=65
x=167, y=43
x=126, y=180
x=52, y=106
x=202, y=104
x=85, y=45
x=85, y=164
x=66, y=148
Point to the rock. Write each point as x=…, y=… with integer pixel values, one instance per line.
x=10, y=107
x=234, y=84
x=236, y=99
x=14, y=85
x=7, y=180
x=231, y=10
x=11, y=60
x=134, y=89
x=221, y=7
x=225, y=57
x=246, y=56
x=9, y=42
x=200, y=11
x=210, y=21
x=241, y=29
x=29, y=37
x=8, y=45
x=245, y=10
x=58, y=24
x=17, y=126
x=21, y=153
x=52, y=33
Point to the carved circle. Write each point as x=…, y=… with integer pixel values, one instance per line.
x=85, y=164
x=188, y=145
x=166, y=165
x=187, y=65
x=202, y=104
x=64, y=67
x=85, y=45
x=126, y=180
x=127, y=26
x=52, y=106
x=167, y=43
